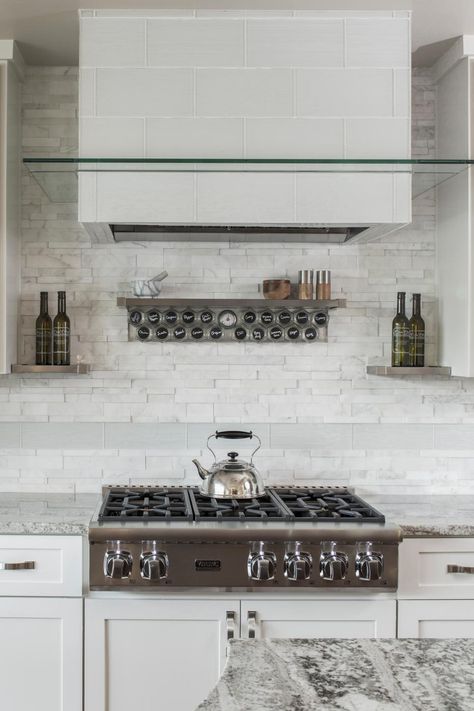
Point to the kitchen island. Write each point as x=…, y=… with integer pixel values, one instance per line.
x=352, y=675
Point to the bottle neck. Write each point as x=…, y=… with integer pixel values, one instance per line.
x=416, y=304
x=401, y=304
x=44, y=303
x=61, y=302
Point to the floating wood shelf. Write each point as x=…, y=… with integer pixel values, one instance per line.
x=148, y=302
x=394, y=372
x=76, y=369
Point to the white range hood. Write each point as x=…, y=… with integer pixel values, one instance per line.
x=229, y=87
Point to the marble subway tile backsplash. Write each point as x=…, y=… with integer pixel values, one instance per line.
x=146, y=410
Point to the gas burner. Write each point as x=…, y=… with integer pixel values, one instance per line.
x=262, y=509
x=161, y=503
x=314, y=504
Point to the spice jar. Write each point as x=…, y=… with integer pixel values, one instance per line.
x=323, y=284
x=305, y=284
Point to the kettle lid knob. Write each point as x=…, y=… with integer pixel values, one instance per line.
x=232, y=455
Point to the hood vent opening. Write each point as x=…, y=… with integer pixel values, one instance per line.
x=243, y=233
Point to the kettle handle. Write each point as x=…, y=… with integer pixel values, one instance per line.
x=234, y=434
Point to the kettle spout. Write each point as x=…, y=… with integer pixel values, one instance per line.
x=203, y=473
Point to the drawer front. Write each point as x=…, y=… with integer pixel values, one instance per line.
x=436, y=619
x=41, y=566
x=436, y=568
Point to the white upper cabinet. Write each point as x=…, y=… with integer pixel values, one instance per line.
x=158, y=86
x=11, y=65
x=455, y=73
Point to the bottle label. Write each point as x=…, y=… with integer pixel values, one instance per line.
x=43, y=342
x=62, y=340
x=400, y=336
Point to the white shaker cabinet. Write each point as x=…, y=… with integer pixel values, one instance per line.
x=41, y=654
x=436, y=588
x=337, y=619
x=41, y=623
x=153, y=654
x=11, y=66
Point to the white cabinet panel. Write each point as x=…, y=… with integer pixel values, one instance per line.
x=244, y=92
x=112, y=42
x=423, y=568
x=341, y=619
x=149, y=640
x=57, y=567
x=144, y=92
x=195, y=42
x=295, y=42
x=41, y=654
x=441, y=619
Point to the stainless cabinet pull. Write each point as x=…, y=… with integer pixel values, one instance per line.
x=460, y=569
x=230, y=624
x=27, y=565
x=251, y=623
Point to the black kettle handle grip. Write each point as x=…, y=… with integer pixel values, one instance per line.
x=234, y=434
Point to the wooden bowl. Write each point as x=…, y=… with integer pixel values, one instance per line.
x=276, y=288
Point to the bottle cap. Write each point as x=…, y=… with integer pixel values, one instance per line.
x=305, y=276
x=323, y=276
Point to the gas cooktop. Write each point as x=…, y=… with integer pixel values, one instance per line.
x=285, y=503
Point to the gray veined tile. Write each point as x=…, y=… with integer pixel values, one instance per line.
x=199, y=432
x=393, y=436
x=9, y=435
x=137, y=435
x=311, y=436
x=457, y=436
x=62, y=435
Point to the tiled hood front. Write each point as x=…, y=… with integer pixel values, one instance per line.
x=240, y=85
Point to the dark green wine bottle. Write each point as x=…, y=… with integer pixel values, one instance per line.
x=61, y=333
x=417, y=334
x=400, y=334
x=44, y=333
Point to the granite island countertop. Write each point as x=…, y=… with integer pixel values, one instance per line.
x=418, y=516
x=352, y=675
x=45, y=514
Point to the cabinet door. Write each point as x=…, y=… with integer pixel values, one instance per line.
x=154, y=655
x=440, y=619
x=340, y=619
x=41, y=654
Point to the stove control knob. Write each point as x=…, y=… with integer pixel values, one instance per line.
x=369, y=564
x=333, y=565
x=261, y=566
x=117, y=564
x=154, y=566
x=298, y=566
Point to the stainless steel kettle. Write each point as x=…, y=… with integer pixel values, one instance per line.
x=231, y=478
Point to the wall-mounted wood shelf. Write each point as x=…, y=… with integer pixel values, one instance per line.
x=77, y=369
x=145, y=302
x=429, y=371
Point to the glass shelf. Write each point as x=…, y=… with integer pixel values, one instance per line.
x=57, y=176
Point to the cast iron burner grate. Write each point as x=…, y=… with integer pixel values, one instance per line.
x=264, y=508
x=309, y=504
x=160, y=503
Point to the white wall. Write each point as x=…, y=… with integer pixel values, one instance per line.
x=145, y=410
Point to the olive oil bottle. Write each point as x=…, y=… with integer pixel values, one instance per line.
x=44, y=333
x=61, y=333
x=400, y=334
x=417, y=334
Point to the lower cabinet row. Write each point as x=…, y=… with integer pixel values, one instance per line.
x=155, y=654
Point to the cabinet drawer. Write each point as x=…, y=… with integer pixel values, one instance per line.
x=436, y=619
x=436, y=568
x=41, y=566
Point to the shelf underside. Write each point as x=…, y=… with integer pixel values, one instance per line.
x=58, y=176
x=145, y=302
x=77, y=369
x=395, y=372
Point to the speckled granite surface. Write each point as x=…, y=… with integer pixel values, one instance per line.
x=438, y=515
x=352, y=675
x=429, y=516
x=46, y=513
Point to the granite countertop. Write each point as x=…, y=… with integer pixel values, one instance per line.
x=352, y=675
x=418, y=516
x=427, y=516
x=65, y=514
